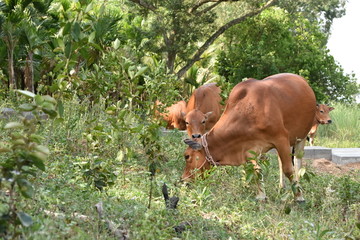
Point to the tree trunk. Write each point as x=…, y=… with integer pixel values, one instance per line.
x=12, y=80
x=29, y=72
x=171, y=61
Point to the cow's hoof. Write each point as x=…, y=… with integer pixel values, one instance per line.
x=300, y=200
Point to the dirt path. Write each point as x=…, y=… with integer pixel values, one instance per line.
x=323, y=165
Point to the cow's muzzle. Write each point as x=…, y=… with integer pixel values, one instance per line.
x=196, y=135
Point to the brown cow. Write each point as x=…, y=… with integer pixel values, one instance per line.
x=276, y=112
x=203, y=110
x=321, y=117
x=173, y=115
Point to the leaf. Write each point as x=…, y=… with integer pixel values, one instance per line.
x=25, y=188
x=19, y=141
x=357, y=225
x=52, y=113
x=102, y=9
x=92, y=37
x=141, y=71
x=120, y=156
x=60, y=107
x=36, y=138
x=66, y=28
x=287, y=210
x=27, y=107
x=12, y=125
x=25, y=219
x=116, y=44
x=58, y=121
x=89, y=7
x=301, y=172
x=68, y=50
x=38, y=159
x=131, y=73
x=49, y=99
x=26, y=93
x=324, y=232
x=42, y=149
x=307, y=177
x=76, y=29
x=39, y=99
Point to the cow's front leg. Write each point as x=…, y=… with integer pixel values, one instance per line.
x=284, y=152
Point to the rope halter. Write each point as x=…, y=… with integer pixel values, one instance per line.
x=208, y=156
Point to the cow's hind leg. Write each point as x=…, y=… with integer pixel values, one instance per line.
x=282, y=183
x=298, y=155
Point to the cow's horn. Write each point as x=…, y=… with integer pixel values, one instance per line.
x=194, y=145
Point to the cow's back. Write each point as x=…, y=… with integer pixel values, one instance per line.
x=175, y=118
x=279, y=105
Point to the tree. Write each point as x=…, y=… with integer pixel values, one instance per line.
x=183, y=30
x=20, y=23
x=273, y=42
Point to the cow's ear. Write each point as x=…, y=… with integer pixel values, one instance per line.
x=194, y=145
x=331, y=108
x=207, y=115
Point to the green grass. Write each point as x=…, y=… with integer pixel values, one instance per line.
x=222, y=206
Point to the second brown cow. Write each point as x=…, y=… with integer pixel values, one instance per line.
x=321, y=117
x=203, y=110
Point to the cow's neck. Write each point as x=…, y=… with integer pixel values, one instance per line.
x=227, y=150
x=224, y=151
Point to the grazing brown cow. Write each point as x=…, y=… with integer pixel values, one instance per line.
x=203, y=110
x=173, y=115
x=276, y=112
x=321, y=117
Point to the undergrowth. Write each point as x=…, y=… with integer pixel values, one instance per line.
x=222, y=206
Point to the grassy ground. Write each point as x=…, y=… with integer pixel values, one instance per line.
x=222, y=206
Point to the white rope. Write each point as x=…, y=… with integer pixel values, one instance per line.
x=208, y=156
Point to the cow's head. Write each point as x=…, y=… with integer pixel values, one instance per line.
x=322, y=113
x=195, y=121
x=195, y=160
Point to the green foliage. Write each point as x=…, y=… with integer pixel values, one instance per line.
x=173, y=31
x=22, y=155
x=285, y=45
x=256, y=168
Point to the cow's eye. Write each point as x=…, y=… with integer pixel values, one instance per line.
x=321, y=111
x=187, y=157
x=187, y=123
x=203, y=122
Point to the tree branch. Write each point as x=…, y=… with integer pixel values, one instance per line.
x=220, y=31
x=207, y=9
x=216, y=2
x=145, y=4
